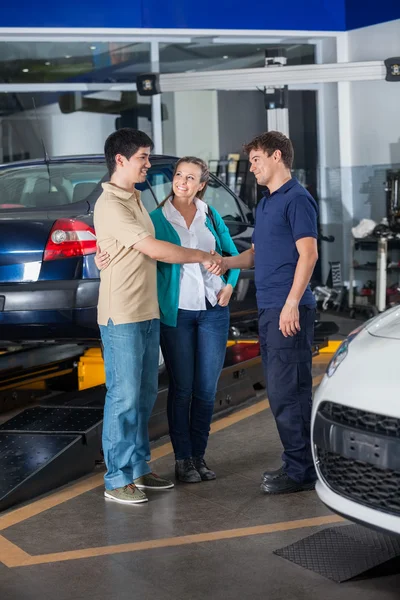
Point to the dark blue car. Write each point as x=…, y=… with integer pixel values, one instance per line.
x=48, y=279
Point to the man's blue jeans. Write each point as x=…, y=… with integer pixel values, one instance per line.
x=131, y=353
x=194, y=353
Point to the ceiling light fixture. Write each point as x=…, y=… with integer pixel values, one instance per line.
x=93, y=47
x=47, y=63
x=25, y=70
x=67, y=56
x=225, y=57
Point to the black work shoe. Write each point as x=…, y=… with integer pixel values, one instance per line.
x=273, y=474
x=186, y=472
x=284, y=485
x=205, y=473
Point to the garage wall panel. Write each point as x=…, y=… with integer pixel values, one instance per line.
x=324, y=15
x=370, y=12
x=73, y=13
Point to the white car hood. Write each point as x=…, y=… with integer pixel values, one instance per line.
x=386, y=325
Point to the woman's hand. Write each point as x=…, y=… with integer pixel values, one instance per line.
x=102, y=259
x=225, y=295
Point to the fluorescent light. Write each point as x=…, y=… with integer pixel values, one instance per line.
x=25, y=70
x=93, y=47
x=225, y=57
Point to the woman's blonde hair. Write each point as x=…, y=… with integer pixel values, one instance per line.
x=204, y=177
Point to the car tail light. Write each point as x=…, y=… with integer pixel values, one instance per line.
x=69, y=238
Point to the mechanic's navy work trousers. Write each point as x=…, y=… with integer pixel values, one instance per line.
x=288, y=373
x=131, y=355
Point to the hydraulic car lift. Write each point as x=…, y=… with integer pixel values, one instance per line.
x=57, y=438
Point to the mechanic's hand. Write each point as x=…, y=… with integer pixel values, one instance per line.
x=213, y=263
x=224, y=295
x=289, y=320
x=222, y=263
x=101, y=259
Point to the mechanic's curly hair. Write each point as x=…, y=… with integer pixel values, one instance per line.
x=269, y=142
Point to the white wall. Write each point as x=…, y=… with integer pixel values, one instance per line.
x=375, y=130
x=369, y=134
x=241, y=116
x=168, y=126
x=196, y=124
x=376, y=42
x=76, y=133
x=375, y=104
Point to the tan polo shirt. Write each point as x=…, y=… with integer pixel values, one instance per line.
x=128, y=286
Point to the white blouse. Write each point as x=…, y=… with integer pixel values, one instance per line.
x=196, y=283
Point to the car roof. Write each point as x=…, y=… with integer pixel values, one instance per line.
x=95, y=158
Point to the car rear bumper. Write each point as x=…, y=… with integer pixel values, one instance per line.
x=49, y=310
x=49, y=295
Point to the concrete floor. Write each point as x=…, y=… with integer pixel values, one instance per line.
x=186, y=543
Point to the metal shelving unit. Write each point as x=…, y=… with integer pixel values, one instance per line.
x=381, y=246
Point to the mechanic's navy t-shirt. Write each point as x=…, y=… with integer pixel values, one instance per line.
x=282, y=218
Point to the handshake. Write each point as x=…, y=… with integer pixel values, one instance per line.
x=215, y=264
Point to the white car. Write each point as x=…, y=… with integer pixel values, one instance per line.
x=356, y=426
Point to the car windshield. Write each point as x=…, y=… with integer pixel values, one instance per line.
x=31, y=187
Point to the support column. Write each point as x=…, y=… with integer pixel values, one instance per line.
x=156, y=115
x=346, y=150
x=276, y=99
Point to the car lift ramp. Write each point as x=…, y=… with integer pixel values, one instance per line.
x=45, y=447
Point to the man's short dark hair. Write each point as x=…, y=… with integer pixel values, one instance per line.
x=125, y=141
x=269, y=142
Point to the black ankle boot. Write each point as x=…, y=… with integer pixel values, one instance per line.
x=205, y=473
x=186, y=472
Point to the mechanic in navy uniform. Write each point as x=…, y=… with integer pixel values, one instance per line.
x=284, y=254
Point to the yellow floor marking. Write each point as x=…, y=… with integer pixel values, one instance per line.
x=35, y=508
x=76, y=489
x=11, y=555
x=59, y=497
x=172, y=542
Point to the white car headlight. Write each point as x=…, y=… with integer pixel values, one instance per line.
x=342, y=351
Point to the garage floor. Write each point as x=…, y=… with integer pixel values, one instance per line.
x=208, y=540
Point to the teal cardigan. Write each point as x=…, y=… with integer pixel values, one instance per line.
x=168, y=275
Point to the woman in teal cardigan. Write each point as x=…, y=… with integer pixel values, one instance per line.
x=194, y=315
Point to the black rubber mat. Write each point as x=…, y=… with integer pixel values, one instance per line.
x=345, y=552
x=23, y=455
x=43, y=419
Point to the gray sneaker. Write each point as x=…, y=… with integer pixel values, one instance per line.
x=129, y=494
x=152, y=481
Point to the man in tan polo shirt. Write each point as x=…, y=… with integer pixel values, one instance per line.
x=128, y=315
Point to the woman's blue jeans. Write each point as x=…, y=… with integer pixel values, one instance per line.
x=194, y=354
x=131, y=354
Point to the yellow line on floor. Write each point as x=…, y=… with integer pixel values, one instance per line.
x=76, y=489
x=11, y=555
x=31, y=510
x=59, y=497
x=173, y=542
